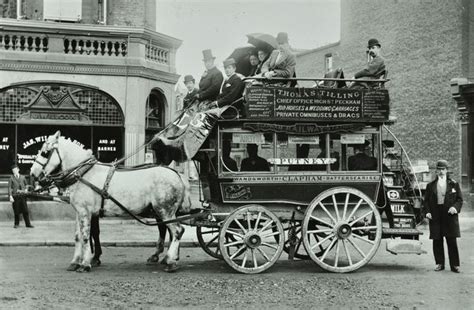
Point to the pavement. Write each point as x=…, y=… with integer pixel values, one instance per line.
x=113, y=232
x=116, y=232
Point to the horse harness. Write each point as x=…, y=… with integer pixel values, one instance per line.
x=76, y=174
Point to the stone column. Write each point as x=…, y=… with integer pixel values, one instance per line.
x=135, y=105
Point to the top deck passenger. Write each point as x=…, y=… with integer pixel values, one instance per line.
x=233, y=85
x=211, y=80
x=192, y=91
x=376, y=66
x=282, y=61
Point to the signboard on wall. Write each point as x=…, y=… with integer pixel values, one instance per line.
x=317, y=104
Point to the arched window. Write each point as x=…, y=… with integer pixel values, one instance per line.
x=155, y=113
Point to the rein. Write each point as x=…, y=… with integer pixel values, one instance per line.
x=75, y=174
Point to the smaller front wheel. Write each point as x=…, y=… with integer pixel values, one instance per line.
x=254, y=229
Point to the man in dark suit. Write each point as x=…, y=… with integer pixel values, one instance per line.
x=442, y=203
x=282, y=61
x=17, y=185
x=254, y=162
x=361, y=161
x=375, y=67
x=211, y=80
x=233, y=85
x=192, y=91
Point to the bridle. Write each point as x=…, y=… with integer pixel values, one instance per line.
x=48, y=154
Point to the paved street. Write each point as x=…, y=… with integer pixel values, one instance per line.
x=35, y=277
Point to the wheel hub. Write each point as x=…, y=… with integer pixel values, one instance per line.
x=253, y=240
x=343, y=230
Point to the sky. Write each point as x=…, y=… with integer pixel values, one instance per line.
x=221, y=25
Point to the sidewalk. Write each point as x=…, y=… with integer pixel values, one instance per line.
x=117, y=232
x=113, y=232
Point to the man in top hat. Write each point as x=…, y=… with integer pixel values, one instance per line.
x=233, y=86
x=192, y=91
x=282, y=61
x=442, y=203
x=211, y=80
x=17, y=185
x=376, y=65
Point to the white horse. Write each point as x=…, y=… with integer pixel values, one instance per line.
x=158, y=187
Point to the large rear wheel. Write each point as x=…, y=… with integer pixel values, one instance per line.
x=254, y=229
x=352, y=225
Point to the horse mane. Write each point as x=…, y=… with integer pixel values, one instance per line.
x=78, y=154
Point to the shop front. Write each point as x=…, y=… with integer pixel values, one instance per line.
x=30, y=112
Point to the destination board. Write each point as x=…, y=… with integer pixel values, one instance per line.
x=317, y=104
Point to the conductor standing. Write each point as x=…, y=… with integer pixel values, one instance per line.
x=442, y=203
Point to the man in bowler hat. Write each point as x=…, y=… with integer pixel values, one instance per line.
x=17, y=185
x=192, y=91
x=211, y=80
x=442, y=203
x=233, y=85
x=376, y=65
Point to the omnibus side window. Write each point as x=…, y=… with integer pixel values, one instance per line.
x=358, y=151
x=242, y=152
x=298, y=153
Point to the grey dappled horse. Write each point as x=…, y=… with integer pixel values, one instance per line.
x=159, y=187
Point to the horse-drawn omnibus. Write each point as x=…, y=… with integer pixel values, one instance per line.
x=302, y=170
x=299, y=170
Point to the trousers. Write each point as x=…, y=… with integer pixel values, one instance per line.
x=438, y=251
x=20, y=206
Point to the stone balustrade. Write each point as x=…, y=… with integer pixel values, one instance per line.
x=100, y=41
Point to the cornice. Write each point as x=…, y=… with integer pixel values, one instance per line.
x=89, y=69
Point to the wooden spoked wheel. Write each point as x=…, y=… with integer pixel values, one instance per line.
x=208, y=238
x=293, y=245
x=352, y=225
x=254, y=229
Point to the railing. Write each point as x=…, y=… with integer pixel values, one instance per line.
x=24, y=42
x=157, y=54
x=86, y=46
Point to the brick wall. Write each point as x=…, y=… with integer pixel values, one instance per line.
x=136, y=13
x=422, y=46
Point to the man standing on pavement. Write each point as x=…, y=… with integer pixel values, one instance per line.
x=211, y=80
x=16, y=185
x=442, y=203
x=192, y=91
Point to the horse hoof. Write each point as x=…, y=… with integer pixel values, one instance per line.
x=152, y=260
x=171, y=267
x=164, y=261
x=95, y=262
x=84, y=269
x=73, y=267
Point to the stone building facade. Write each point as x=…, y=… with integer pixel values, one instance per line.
x=106, y=79
x=425, y=44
